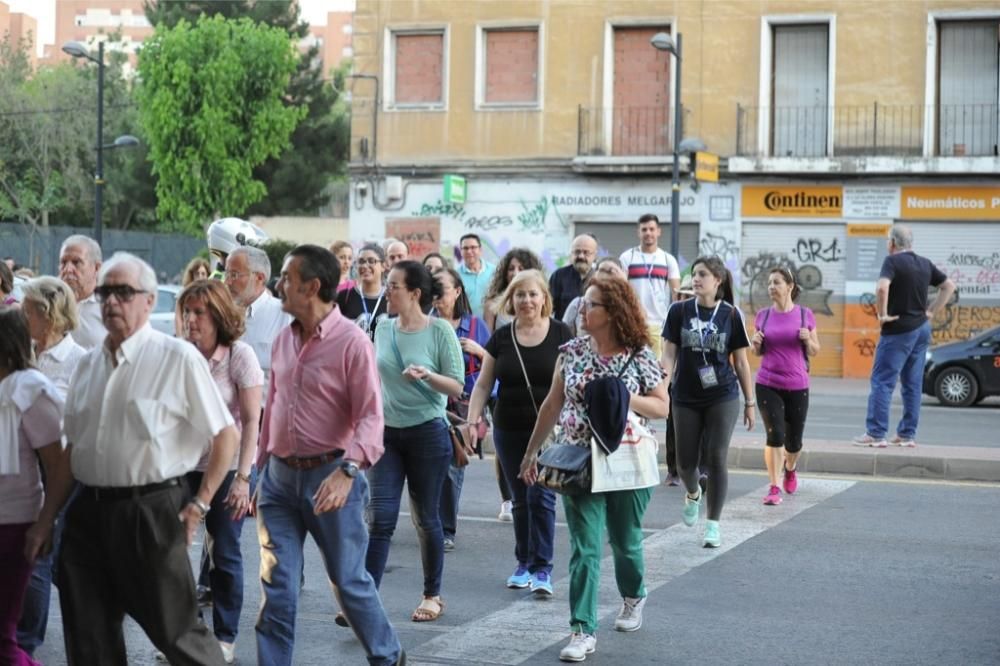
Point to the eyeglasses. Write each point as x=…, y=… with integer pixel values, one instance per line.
x=123, y=292
x=368, y=261
x=235, y=275
x=588, y=304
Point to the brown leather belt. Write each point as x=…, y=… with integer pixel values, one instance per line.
x=129, y=492
x=311, y=462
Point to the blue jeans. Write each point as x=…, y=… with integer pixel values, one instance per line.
x=418, y=455
x=534, y=506
x=284, y=516
x=898, y=357
x=450, y=496
x=225, y=560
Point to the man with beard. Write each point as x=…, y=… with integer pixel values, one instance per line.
x=247, y=272
x=566, y=283
x=79, y=262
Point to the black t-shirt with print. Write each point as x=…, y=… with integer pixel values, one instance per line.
x=514, y=410
x=703, y=340
x=910, y=276
x=351, y=306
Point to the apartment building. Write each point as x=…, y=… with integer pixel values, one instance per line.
x=90, y=21
x=832, y=120
x=333, y=39
x=19, y=27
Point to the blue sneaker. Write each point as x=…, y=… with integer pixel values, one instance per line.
x=712, y=537
x=520, y=579
x=691, y=506
x=541, y=583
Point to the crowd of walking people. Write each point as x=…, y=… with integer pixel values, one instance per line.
x=119, y=442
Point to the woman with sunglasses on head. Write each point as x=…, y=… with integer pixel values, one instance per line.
x=452, y=305
x=365, y=303
x=705, y=357
x=420, y=364
x=785, y=338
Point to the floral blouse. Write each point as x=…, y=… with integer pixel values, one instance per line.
x=581, y=364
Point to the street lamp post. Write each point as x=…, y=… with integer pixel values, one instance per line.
x=662, y=41
x=78, y=50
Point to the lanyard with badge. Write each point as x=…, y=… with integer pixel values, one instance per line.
x=364, y=304
x=706, y=371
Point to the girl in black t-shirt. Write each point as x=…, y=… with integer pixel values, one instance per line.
x=364, y=304
x=705, y=356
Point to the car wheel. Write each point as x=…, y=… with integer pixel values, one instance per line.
x=956, y=387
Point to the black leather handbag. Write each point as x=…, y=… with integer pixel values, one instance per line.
x=565, y=469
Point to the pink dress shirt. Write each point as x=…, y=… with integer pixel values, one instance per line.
x=324, y=395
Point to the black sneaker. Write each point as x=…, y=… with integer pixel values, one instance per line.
x=204, y=595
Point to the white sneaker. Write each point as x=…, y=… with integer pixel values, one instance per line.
x=630, y=616
x=580, y=645
x=506, y=512
x=228, y=652
x=160, y=657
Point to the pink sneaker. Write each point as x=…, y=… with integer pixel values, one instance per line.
x=773, y=496
x=791, y=481
x=868, y=440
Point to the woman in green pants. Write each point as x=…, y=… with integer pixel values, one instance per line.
x=616, y=344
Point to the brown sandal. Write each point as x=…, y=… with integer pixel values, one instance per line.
x=430, y=609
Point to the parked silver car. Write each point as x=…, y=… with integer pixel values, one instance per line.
x=162, y=318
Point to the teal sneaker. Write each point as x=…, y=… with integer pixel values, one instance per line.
x=712, y=537
x=691, y=506
x=520, y=579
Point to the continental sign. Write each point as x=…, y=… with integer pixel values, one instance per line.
x=768, y=201
x=950, y=203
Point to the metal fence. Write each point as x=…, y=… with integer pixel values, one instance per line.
x=625, y=131
x=878, y=129
x=38, y=248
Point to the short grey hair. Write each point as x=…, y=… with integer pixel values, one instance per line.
x=257, y=259
x=901, y=236
x=89, y=244
x=147, y=276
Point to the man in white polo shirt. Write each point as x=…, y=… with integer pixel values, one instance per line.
x=79, y=261
x=654, y=275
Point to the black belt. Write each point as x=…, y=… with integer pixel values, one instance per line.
x=128, y=492
x=312, y=462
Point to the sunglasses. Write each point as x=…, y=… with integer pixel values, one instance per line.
x=123, y=292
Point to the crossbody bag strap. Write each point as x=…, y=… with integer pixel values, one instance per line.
x=426, y=392
x=805, y=345
x=513, y=337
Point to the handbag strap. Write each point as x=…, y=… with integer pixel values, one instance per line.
x=426, y=392
x=527, y=381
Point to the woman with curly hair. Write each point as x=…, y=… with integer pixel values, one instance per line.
x=616, y=344
x=516, y=260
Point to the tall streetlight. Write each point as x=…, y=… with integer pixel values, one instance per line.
x=78, y=50
x=662, y=41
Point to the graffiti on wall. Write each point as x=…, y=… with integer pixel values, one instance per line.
x=812, y=250
x=865, y=347
x=964, y=322
x=530, y=217
x=755, y=272
x=728, y=249
x=421, y=234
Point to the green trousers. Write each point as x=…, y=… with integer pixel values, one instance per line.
x=587, y=516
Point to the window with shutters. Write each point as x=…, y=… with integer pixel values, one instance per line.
x=968, y=103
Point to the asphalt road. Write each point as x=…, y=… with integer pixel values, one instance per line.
x=847, y=571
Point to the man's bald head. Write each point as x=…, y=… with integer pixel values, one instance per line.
x=584, y=252
x=396, y=251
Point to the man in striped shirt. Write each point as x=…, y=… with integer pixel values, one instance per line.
x=654, y=275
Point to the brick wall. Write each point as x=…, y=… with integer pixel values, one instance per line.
x=641, y=93
x=511, y=66
x=419, y=68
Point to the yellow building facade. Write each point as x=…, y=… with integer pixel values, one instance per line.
x=559, y=115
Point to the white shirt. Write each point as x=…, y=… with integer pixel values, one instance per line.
x=146, y=421
x=265, y=319
x=58, y=363
x=91, y=332
x=650, y=275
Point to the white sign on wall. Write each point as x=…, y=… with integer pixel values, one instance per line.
x=870, y=203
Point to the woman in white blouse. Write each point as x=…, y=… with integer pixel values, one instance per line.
x=50, y=308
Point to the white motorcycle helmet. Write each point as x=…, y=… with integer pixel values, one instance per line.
x=229, y=233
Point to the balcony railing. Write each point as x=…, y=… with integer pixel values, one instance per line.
x=626, y=131
x=897, y=131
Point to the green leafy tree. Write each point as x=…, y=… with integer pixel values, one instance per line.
x=212, y=110
x=276, y=249
x=297, y=179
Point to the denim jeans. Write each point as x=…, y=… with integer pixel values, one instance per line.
x=225, y=560
x=450, y=496
x=418, y=455
x=898, y=357
x=284, y=516
x=534, y=506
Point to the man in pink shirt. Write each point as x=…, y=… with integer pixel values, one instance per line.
x=323, y=374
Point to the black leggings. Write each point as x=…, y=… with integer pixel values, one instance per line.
x=784, y=414
x=706, y=431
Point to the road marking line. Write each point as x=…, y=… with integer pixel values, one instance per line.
x=513, y=635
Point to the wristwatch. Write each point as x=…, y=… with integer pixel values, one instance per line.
x=350, y=469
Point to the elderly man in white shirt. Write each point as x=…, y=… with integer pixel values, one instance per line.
x=139, y=410
x=79, y=262
x=247, y=271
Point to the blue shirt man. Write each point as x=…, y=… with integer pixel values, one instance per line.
x=476, y=273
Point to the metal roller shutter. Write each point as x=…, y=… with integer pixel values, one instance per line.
x=616, y=237
x=815, y=254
